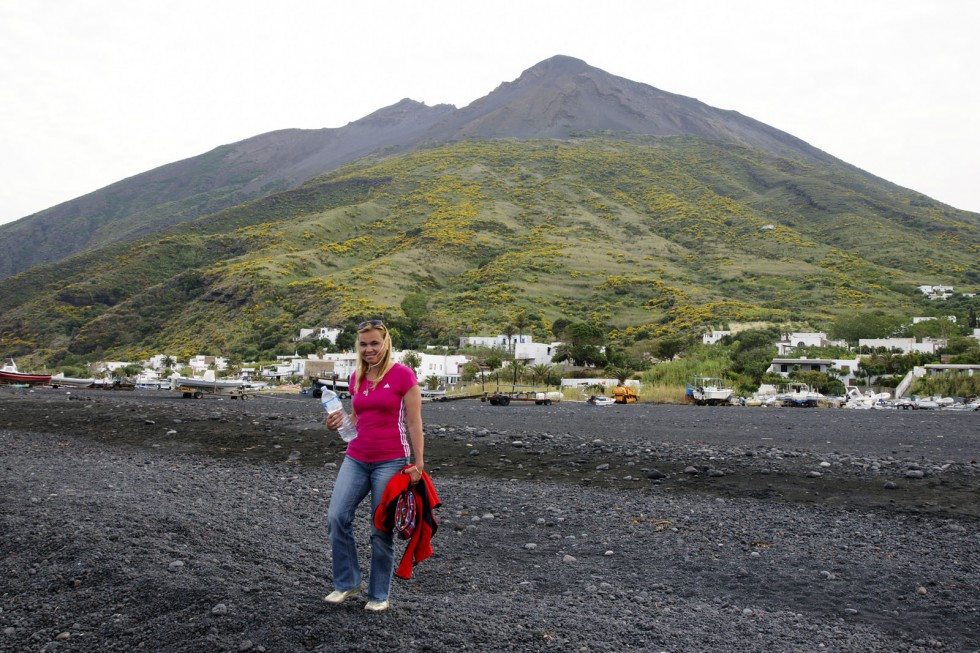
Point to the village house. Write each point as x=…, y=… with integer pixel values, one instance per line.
x=946, y=368
x=791, y=341
x=844, y=369
x=200, y=364
x=916, y=320
x=320, y=333
x=501, y=341
x=447, y=368
x=904, y=345
x=937, y=292
x=522, y=346
x=714, y=336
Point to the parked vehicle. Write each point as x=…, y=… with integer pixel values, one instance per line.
x=624, y=394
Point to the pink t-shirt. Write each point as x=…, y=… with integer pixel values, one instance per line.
x=382, y=432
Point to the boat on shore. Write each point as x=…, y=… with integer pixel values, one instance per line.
x=800, y=395
x=60, y=381
x=10, y=376
x=20, y=378
x=198, y=387
x=709, y=391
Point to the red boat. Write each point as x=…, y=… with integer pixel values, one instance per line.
x=18, y=378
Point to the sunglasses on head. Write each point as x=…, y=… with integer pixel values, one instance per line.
x=370, y=323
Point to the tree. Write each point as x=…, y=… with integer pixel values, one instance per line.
x=669, y=346
x=619, y=373
x=856, y=326
x=509, y=330
x=581, y=333
x=544, y=372
x=413, y=360
x=521, y=322
x=558, y=327
x=415, y=307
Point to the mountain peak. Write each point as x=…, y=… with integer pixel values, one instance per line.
x=405, y=110
x=559, y=63
x=563, y=95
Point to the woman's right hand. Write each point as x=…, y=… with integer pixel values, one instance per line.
x=334, y=420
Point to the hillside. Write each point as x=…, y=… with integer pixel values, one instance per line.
x=560, y=97
x=226, y=176
x=646, y=237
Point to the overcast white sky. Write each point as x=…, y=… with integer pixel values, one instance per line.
x=98, y=90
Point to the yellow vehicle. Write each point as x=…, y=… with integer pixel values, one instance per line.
x=623, y=394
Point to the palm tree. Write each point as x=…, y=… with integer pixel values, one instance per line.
x=521, y=322
x=509, y=330
x=543, y=372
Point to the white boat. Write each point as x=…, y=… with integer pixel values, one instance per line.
x=197, y=387
x=865, y=400
x=709, y=391
x=801, y=395
x=599, y=400
x=62, y=381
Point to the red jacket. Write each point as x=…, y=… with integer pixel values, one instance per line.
x=420, y=543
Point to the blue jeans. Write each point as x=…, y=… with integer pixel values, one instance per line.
x=354, y=480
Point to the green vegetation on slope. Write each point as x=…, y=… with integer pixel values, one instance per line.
x=646, y=239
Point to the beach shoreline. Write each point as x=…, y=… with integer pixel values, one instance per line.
x=143, y=520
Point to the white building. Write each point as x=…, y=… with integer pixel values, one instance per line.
x=202, y=363
x=916, y=320
x=791, y=341
x=320, y=333
x=845, y=367
x=536, y=353
x=714, y=336
x=444, y=366
x=936, y=292
x=108, y=367
x=156, y=362
x=501, y=341
x=447, y=368
x=904, y=345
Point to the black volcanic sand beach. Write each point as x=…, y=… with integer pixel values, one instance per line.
x=142, y=520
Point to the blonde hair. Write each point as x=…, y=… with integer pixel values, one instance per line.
x=386, y=362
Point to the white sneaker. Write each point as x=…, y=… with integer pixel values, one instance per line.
x=376, y=606
x=337, y=597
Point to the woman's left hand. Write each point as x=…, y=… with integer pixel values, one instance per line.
x=415, y=472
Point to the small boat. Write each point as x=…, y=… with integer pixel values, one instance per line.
x=709, y=391
x=802, y=396
x=599, y=400
x=197, y=388
x=61, y=381
x=10, y=375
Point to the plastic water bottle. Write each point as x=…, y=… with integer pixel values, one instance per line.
x=331, y=403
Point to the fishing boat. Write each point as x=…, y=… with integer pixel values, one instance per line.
x=198, y=387
x=801, y=395
x=9, y=375
x=61, y=381
x=709, y=391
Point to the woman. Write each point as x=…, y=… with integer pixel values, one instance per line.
x=387, y=412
